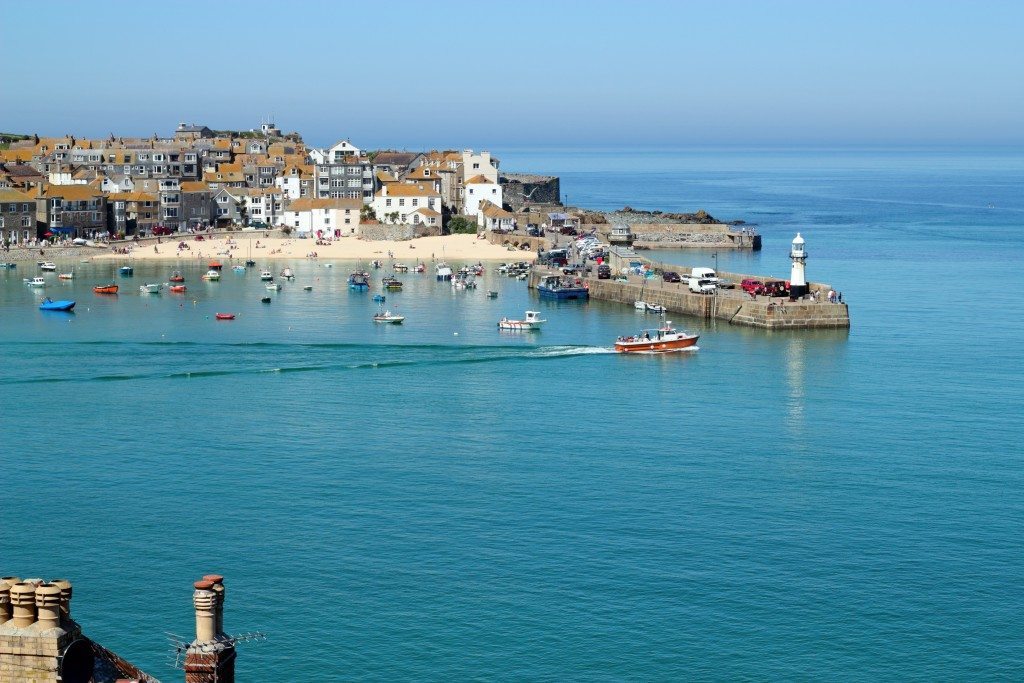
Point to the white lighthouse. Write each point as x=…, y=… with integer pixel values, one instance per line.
x=797, y=279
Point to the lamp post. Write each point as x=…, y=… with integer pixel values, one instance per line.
x=715, y=254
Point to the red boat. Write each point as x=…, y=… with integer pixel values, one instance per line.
x=665, y=339
x=176, y=276
x=178, y=289
x=105, y=289
x=215, y=265
x=225, y=316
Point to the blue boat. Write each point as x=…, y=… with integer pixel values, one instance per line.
x=561, y=287
x=379, y=298
x=49, y=304
x=358, y=282
x=126, y=270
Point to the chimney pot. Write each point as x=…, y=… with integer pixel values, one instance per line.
x=5, y=602
x=218, y=587
x=48, y=605
x=65, y=597
x=205, y=602
x=23, y=601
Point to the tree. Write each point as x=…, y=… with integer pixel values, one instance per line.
x=461, y=225
x=367, y=213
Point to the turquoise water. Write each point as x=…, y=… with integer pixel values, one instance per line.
x=405, y=502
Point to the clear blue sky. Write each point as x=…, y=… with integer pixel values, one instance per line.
x=431, y=74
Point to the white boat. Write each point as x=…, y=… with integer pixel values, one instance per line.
x=388, y=317
x=266, y=275
x=273, y=287
x=212, y=275
x=532, y=321
x=443, y=271
x=151, y=288
x=655, y=308
x=66, y=276
x=401, y=268
x=238, y=269
x=48, y=265
x=287, y=274
x=35, y=282
x=664, y=339
x=640, y=305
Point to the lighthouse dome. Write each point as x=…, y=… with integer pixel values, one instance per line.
x=798, y=239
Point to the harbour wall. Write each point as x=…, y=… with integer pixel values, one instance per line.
x=686, y=236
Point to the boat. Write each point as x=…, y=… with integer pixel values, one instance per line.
x=66, y=276
x=379, y=298
x=532, y=321
x=105, y=289
x=375, y=264
x=249, y=263
x=640, y=305
x=265, y=300
x=491, y=294
x=655, y=308
x=48, y=265
x=10, y=265
x=178, y=289
x=224, y=316
x=391, y=283
x=127, y=271
x=664, y=339
x=308, y=288
x=266, y=275
x=443, y=271
x=328, y=265
x=401, y=268
x=358, y=282
x=49, y=304
x=215, y=265
x=388, y=317
x=420, y=268
x=273, y=287
x=176, y=276
x=287, y=274
x=561, y=287
x=212, y=276
x=151, y=288
x=238, y=269
x=35, y=282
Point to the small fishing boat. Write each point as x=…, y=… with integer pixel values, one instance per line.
x=532, y=321
x=375, y=264
x=391, y=283
x=151, y=288
x=328, y=265
x=664, y=339
x=379, y=298
x=401, y=268
x=640, y=305
x=308, y=288
x=176, y=276
x=11, y=265
x=35, y=282
x=126, y=271
x=105, y=289
x=443, y=271
x=420, y=268
x=266, y=275
x=212, y=276
x=48, y=265
x=238, y=269
x=224, y=316
x=358, y=282
x=561, y=287
x=66, y=276
x=273, y=287
x=491, y=294
x=388, y=317
x=265, y=300
x=249, y=263
x=287, y=274
x=49, y=304
x=215, y=265
x=178, y=289
x=655, y=308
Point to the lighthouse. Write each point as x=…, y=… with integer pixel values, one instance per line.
x=797, y=279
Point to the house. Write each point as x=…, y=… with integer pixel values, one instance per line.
x=295, y=181
x=196, y=204
x=479, y=164
x=17, y=216
x=264, y=205
x=341, y=172
x=396, y=163
x=190, y=132
x=227, y=207
x=72, y=211
x=324, y=217
x=133, y=213
x=478, y=189
x=493, y=217
x=402, y=203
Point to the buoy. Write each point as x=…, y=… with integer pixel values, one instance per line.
x=455, y=334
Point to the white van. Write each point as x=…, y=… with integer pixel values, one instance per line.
x=701, y=285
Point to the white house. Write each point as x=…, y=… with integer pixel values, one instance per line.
x=479, y=164
x=295, y=181
x=408, y=203
x=491, y=217
x=324, y=217
x=264, y=205
x=478, y=189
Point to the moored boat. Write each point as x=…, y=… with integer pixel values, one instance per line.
x=420, y=268
x=266, y=275
x=308, y=288
x=401, y=268
x=491, y=294
x=49, y=304
x=127, y=271
x=35, y=282
x=532, y=321
x=655, y=308
x=443, y=271
x=273, y=287
x=391, y=283
x=561, y=287
x=224, y=316
x=176, y=276
x=388, y=317
x=265, y=300
x=640, y=305
x=105, y=289
x=48, y=265
x=212, y=276
x=178, y=289
x=288, y=274
x=215, y=265
x=11, y=265
x=151, y=288
x=358, y=282
x=664, y=339
x=379, y=298
x=66, y=276
x=238, y=269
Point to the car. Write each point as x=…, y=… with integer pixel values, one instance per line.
x=671, y=276
x=604, y=272
x=161, y=230
x=752, y=286
x=534, y=232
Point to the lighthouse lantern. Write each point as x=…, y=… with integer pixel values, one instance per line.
x=797, y=278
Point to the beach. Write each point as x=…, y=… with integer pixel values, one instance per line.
x=254, y=245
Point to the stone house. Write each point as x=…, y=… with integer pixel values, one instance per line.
x=17, y=216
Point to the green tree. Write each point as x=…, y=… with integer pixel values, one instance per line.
x=461, y=225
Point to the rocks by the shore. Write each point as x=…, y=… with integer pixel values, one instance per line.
x=629, y=215
x=31, y=254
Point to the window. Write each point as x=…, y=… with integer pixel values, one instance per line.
x=355, y=182
x=170, y=212
x=388, y=202
x=476, y=165
x=471, y=190
x=348, y=221
x=222, y=211
x=143, y=157
x=401, y=202
x=494, y=191
x=415, y=202
x=1, y=221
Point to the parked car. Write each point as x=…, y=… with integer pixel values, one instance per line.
x=534, y=232
x=671, y=276
x=604, y=272
x=752, y=286
x=701, y=286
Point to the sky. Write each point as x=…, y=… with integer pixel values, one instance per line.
x=523, y=73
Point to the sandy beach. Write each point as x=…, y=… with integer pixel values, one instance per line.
x=240, y=247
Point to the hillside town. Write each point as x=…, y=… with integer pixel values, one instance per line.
x=67, y=188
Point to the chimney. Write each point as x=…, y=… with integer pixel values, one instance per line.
x=205, y=602
x=48, y=606
x=218, y=587
x=5, y=602
x=23, y=602
x=65, y=598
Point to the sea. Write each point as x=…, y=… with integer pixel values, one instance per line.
x=440, y=501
